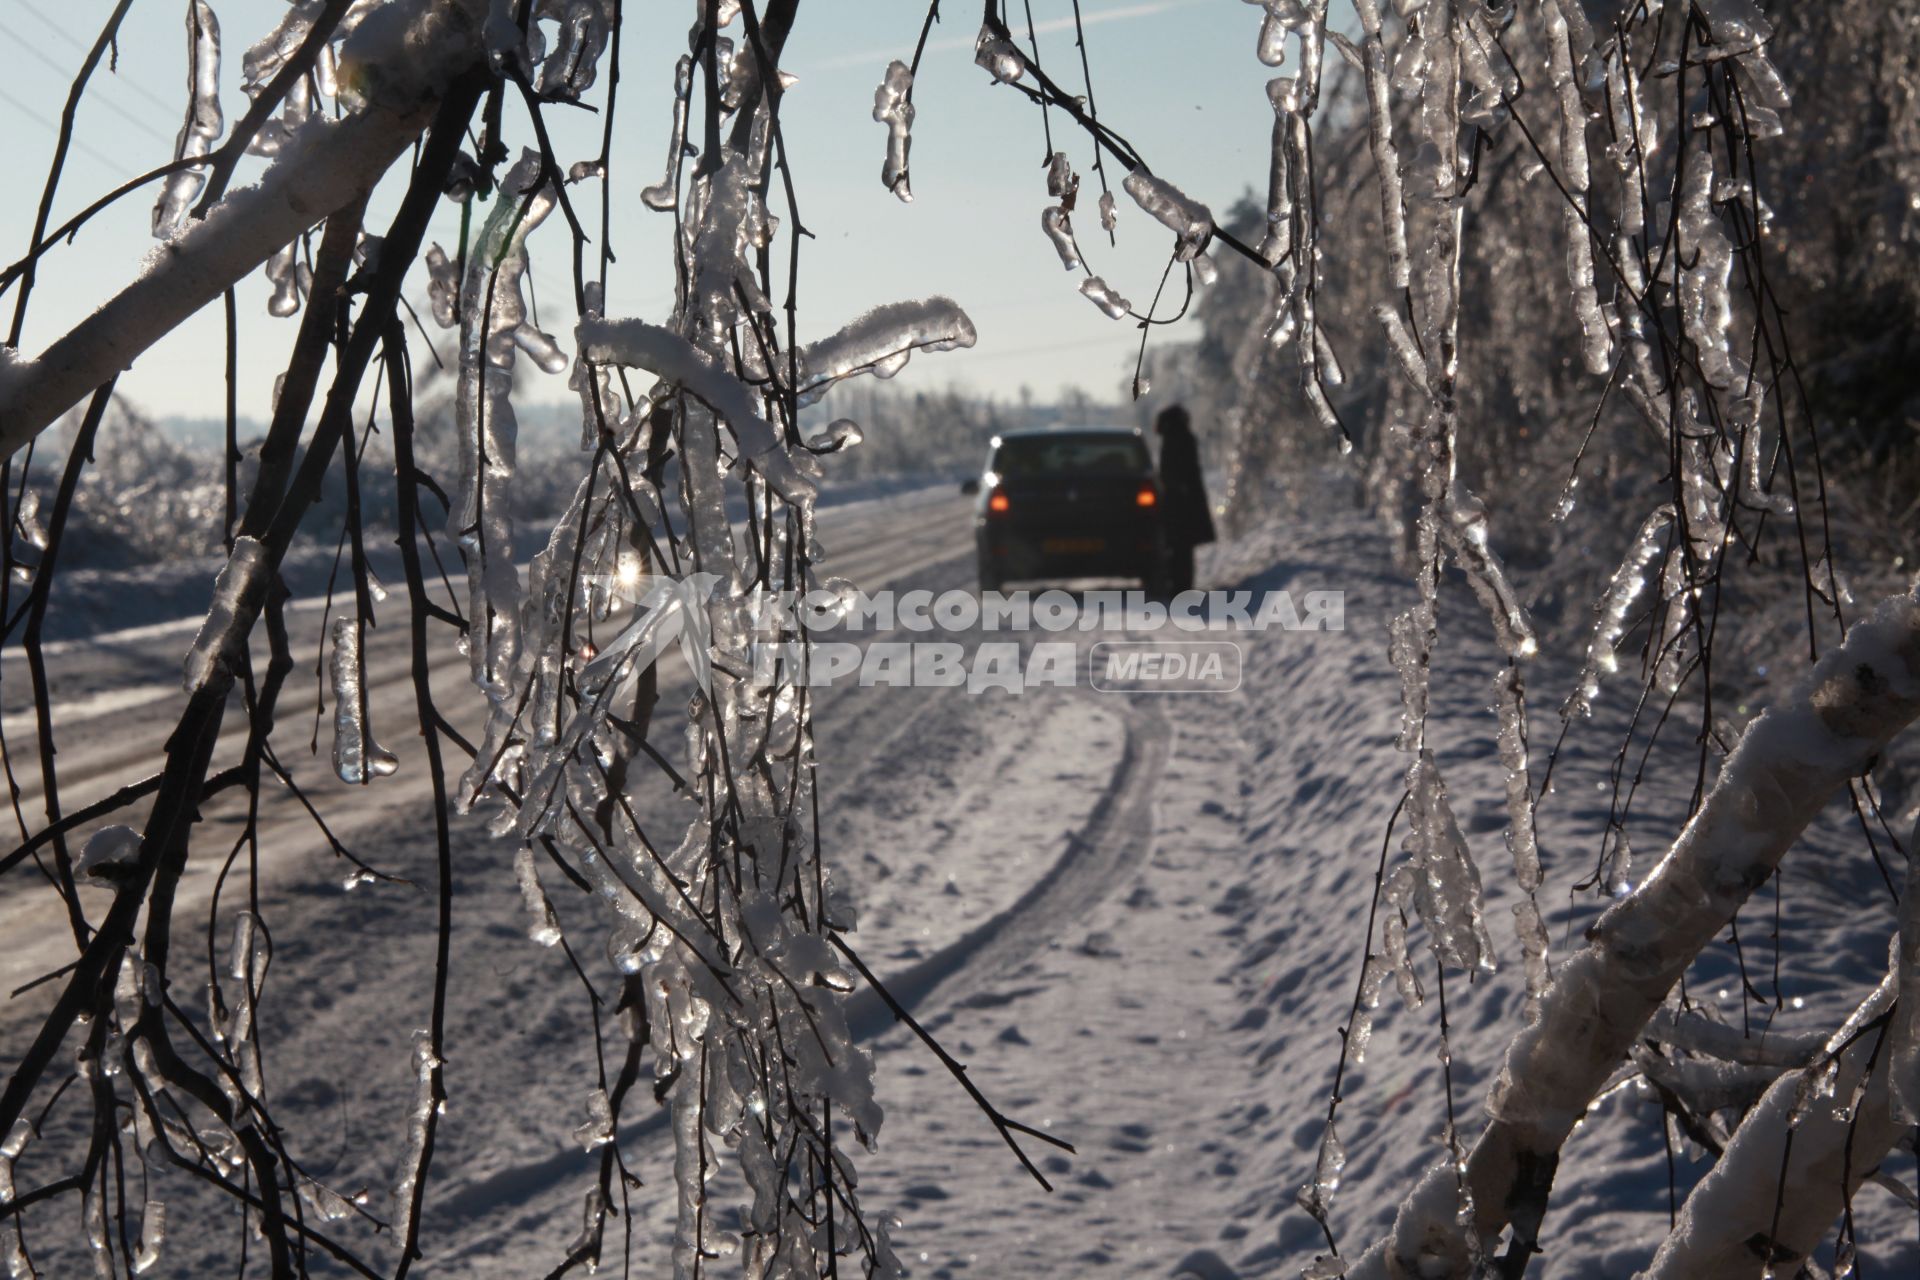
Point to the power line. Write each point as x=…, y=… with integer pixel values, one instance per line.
x=69, y=38
x=138, y=123
x=77, y=142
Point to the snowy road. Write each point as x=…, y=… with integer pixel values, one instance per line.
x=1014, y=816
x=118, y=695
x=1137, y=920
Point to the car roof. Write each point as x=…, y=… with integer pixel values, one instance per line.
x=1041, y=433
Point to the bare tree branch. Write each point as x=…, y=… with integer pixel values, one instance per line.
x=410, y=58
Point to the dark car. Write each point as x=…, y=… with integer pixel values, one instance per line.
x=1081, y=503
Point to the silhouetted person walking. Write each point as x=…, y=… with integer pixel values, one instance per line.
x=1184, y=516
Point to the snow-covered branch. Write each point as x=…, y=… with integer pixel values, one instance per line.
x=1699, y=1034
x=400, y=60
x=1799, y=1155
x=1788, y=765
x=667, y=355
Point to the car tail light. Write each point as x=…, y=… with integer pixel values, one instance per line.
x=1146, y=497
x=997, y=501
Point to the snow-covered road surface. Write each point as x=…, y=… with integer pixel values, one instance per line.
x=1137, y=920
x=117, y=696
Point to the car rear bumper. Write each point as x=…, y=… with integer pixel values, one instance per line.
x=1014, y=553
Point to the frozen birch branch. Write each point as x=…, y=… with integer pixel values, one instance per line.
x=1791, y=761
x=669, y=356
x=401, y=60
x=1765, y=1202
x=1705, y=1086
x=1697, y=1033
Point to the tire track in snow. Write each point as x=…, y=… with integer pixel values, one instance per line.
x=1116, y=838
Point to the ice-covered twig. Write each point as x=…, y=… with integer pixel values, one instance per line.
x=1705, y=1086
x=667, y=355
x=1386, y=157
x=1105, y=298
x=1469, y=539
x=1629, y=580
x=237, y=596
x=1187, y=218
x=494, y=327
x=882, y=340
x=994, y=51
x=1059, y=230
x=663, y=194
x=357, y=758
x=1446, y=882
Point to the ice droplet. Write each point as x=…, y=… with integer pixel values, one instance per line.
x=285, y=279
x=12, y=1257
x=1617, y=863
x=326, y=1204
x=1106, y=299
x=1061, y=180
x=598, y=1130
x=545, y=926
x=841, y=434
x=1059, y=229
x=357, y=758
x=27, y=520
x=892, y=107
x=108, y=848
x=16, y=1142
x=153, y=1234
x=1272, y=49
x=998, y=56
x=1316, y=1197
x=595, y=1217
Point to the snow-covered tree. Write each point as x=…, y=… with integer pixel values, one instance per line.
x=1425, y=327
x=730, y=937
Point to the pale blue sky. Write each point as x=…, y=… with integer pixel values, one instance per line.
x=1177, y=77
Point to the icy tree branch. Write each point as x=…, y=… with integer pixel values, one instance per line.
x=1785, y=769
x=1696, y=1033
x=1797, y=1158
x=667, y=355
x=401, y=60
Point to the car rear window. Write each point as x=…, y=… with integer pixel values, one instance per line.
x=1071, y=455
